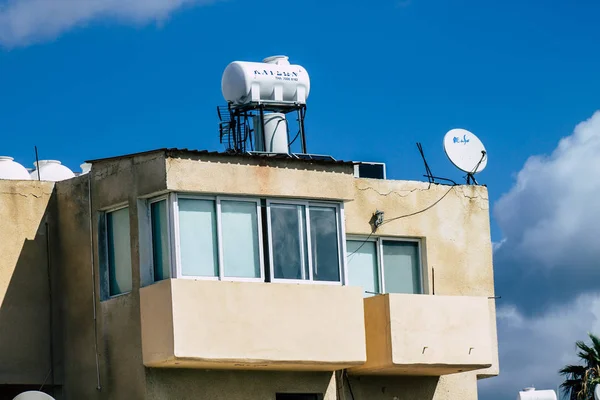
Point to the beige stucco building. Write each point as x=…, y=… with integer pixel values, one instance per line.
x=177, y=274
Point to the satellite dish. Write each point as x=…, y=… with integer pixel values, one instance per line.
x=34, y=395
x=465, y=151
x=597, y=392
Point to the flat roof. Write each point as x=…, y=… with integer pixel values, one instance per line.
x=175, y=152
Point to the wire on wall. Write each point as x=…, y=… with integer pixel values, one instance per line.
x=420, y=211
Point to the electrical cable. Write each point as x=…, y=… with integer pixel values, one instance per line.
x=349, y=257
x=361, y=245
x=293, y=140
x=420, y=211
x=471, y=175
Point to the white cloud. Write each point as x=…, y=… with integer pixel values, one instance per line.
x=552, y=210
x=497, y=245
x=533, y=349
x=547, y=267
x=549, y=220
x=24, y=22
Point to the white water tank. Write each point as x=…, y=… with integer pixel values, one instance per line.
x=274, y=79
x=532, y=394
x=274, y=137
x=33, y=395
x=9, y=169
x=51, y=170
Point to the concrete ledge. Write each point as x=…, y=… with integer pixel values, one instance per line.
x=249, y=325
x=426, y=335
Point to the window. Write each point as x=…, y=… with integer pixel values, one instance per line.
x=298, y=396
x=200, y=237
x=240, y=241
x=118, y=252
x=385, y=265
x=304, y=241
x=219, y=238
x=160, y=240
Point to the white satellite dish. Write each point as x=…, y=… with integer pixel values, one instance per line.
x=465, y=151
x=597, y=392
x=34, y=395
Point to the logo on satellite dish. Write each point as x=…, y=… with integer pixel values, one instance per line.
x=464, y=139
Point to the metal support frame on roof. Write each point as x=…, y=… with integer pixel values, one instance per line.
x=238, y=134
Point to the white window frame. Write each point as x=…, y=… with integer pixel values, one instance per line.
x=169, y=201
x=105, y=213
x=339, y=215
x=217, y=200
x=379, y=257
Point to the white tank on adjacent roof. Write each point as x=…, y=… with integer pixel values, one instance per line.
x=9, y=169
x=275, y=79
x=532, y=394
x=51, y=170
x=33, y=395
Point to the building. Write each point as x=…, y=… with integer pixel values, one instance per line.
x=179, y=274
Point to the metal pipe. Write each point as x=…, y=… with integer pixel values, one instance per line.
x=37, y=163
x=98, y=385
x=301, y=112
x=51, y=317
x=262, y=124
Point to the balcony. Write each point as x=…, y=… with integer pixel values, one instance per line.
x=426, y=335
x=249, y=325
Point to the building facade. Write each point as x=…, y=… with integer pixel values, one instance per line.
x=178, y=274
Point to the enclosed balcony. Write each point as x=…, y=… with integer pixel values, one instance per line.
x=426, y=335
x=252, y=325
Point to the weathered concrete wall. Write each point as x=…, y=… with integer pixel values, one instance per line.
x=455, y=228
x=426, y=335
x=449, y=387
x=259, y=177
x=24, y=285
x=121, y=372
x=457, y=246
x=250, y=325
x=188, y=384
x=74, y=277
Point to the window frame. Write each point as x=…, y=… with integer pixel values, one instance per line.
x=217, y=201
x=105, y=287
x=378, y=240
x=340, y=229
x=168, y=199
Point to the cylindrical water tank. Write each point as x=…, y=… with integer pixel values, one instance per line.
x=51, y=170
x=273, y=138
x=33, y=395
x=274, y=79
x=532, y=394
x=12, y=170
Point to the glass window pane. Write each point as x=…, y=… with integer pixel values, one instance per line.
x=160, y=240
x=401, y=267
x=197, y=237
x=324, y=244
x=288, y=235
x=119, y=252
x=239, y=230
x=362, y=265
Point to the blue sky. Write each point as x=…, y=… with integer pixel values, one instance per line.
x=84, y=80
